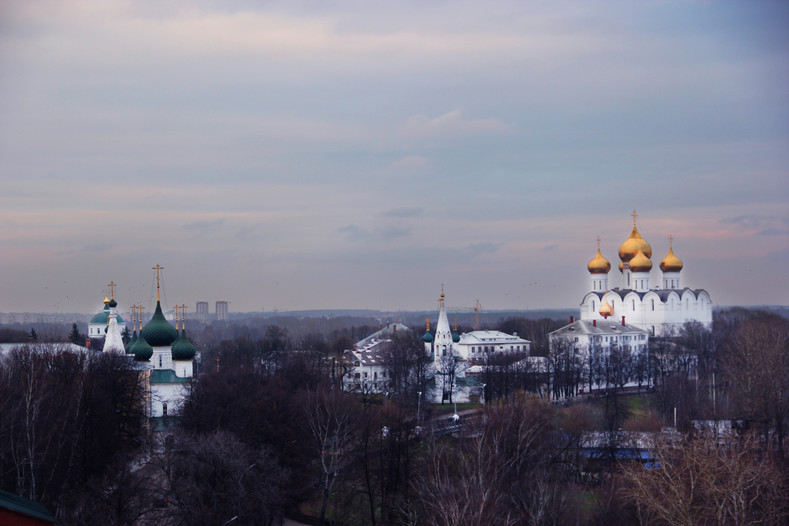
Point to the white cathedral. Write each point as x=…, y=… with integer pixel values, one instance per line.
x=660, y=307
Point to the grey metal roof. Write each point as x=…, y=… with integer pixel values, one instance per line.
x=586, y=327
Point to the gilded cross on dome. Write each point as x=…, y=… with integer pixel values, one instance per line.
x=157, y=268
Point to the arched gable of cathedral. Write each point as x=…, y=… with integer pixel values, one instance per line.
x=688, y=299
x=592, y=302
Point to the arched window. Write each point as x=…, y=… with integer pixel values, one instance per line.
x=164, y=408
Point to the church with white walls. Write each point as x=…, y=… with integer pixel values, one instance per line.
x=164, y=355
x=660, y=306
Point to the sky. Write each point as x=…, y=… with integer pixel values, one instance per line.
x=328, y=155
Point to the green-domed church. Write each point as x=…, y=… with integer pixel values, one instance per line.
x=167, y=356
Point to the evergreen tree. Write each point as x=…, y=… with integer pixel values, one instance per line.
x=74, y=336
x=33, y=334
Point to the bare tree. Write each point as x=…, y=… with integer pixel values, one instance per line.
x=210, y=479
x=65, y=419
x=756, y=365
x=706, y=480
x=504, y=473
x=330, y=415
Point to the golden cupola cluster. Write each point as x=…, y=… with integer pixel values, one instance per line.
x=598, y=264
x=636, y=252
x=671, y=263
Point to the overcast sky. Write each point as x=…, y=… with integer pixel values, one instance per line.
x=293, y=155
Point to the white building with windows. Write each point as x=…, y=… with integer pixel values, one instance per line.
x=476, y=346
x=592, y=343
x=370, y=361
x=658, y=306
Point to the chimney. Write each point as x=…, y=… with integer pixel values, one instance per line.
x=623, y=320
x=87, y=343
x=394, y=328
x=594, y=323
x=572, y=319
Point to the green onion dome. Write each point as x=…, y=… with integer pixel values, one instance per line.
x=158, y=332
x=103, y=317
x=455, y=336
x=142, y=350
x=427, y=337
x=131, y=342
x=113, y=303
x=183, y=348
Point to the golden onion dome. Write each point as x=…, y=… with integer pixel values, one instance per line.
x=632, y=245
x=606, y=310
x=598, y=264
x=640, y=263
x=671, y=263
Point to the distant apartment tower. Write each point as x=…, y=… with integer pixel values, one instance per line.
x=201, y=310
x=221, y=310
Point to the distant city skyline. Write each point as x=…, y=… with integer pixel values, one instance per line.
x=298, y=156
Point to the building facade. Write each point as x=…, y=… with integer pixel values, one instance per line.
x=221, y=310
x=201, y=310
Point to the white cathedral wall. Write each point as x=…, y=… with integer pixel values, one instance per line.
x=664, y=319
x=171, y=394
x=162, y=358
x=183, y=368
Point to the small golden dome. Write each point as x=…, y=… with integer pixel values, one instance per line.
x=671, y=263
x=106, y=299
x=598, y=264
x=640, y=263
x=633, y=244
x=606, y=310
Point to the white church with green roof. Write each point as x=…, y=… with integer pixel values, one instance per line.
x=165, y=355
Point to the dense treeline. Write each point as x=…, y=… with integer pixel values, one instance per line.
x=268, y=431
x=64, y=419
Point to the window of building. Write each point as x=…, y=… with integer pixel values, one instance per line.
x=164, y=409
